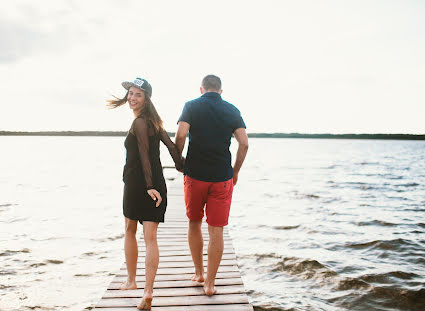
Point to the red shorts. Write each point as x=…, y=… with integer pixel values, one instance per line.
x=217, y=196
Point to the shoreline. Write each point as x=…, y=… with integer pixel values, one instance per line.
x=253, y=135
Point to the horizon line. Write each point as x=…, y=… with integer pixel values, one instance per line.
x=396, y=136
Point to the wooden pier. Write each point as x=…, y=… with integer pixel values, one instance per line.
x=173, y=288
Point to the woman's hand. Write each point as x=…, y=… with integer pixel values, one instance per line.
x=181, y=169
x=155, y=196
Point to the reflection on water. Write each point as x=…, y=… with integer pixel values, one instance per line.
x=316, y=224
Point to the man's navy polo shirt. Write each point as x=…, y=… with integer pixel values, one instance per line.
x=212, y=123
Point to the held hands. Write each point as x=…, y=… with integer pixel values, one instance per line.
x=182, y=167
x=235, y=178
x=155, y=196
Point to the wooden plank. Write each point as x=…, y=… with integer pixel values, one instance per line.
x=141, y=271
x=165, y=243
x=180, y=252
x=177, y=277
x=171, y=292
x=173, y=284
x=181, y=247
x=183, y=237
x=141, y=259
x=176, y=301
x=232, y=307
x=180, y=264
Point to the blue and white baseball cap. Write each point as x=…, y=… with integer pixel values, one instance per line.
x=140, y=83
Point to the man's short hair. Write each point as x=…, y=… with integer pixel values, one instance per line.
x=211, y=83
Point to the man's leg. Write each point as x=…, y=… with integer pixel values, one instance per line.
x=217, y=210
x=196, y=245
x=215, y=252
x=195, y=195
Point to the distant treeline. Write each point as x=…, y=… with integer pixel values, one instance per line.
x=257, y=135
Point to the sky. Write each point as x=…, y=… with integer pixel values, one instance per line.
x=289, y=66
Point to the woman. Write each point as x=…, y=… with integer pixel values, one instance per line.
x=145, y=191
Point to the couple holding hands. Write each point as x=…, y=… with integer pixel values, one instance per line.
x=208, y=176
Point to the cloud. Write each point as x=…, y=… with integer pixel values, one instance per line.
x=30, y=29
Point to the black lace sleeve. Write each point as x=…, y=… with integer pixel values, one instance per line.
x=172, y=149
x=141, y=132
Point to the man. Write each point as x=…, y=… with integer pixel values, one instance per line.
x=209, y=176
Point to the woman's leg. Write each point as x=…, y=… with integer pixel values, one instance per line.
x=151, y=261
x=131, y=253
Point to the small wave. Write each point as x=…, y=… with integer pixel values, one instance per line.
x=7, y=272
x=397, y=297
x=375, y=222
x=81, y=274
x=39, y=308
x=408, y=185
x=46, y=262
x=309, y=268
x=263, y=256
x=10, y=252
x=395, y=244
x=368, y=163
x=351, y=283
x=311, y=196
x=331, y=167
x=90, y=254
x=113, y=238
x=285, y=227
x=385, y=277
x=305, y=196
x=54, y=261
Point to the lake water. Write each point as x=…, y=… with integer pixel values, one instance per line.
x=316, y=224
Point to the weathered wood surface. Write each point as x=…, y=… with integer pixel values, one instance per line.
x=173, y=288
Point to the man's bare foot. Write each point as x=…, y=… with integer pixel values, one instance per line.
x=146, y=303
x=209, y=290
x=198, y=278
x=128, y=285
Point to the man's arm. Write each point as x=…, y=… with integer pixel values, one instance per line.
x=242, y=139
x=181, y=134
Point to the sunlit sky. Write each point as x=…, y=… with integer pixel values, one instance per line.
x=289, y=66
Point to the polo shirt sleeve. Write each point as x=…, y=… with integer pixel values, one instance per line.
x=186, y=115
x=239, y=122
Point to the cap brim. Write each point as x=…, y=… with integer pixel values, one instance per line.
x=128, y=84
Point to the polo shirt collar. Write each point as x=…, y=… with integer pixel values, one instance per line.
x=212, y=95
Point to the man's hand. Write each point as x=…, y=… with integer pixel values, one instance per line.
x=155, y=196
x=182, y=169
x=235, y=178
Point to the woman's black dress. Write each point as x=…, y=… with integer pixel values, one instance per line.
x=143, y=171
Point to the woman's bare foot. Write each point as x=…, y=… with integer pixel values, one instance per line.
x=198, y=278
x=146, y=303
x=209, y=289
x=128, y=285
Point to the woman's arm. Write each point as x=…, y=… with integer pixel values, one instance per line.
x=141, y=132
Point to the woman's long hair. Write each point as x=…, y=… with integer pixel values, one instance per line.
x=148, y=110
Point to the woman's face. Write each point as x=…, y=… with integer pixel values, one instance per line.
x=136, y=98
